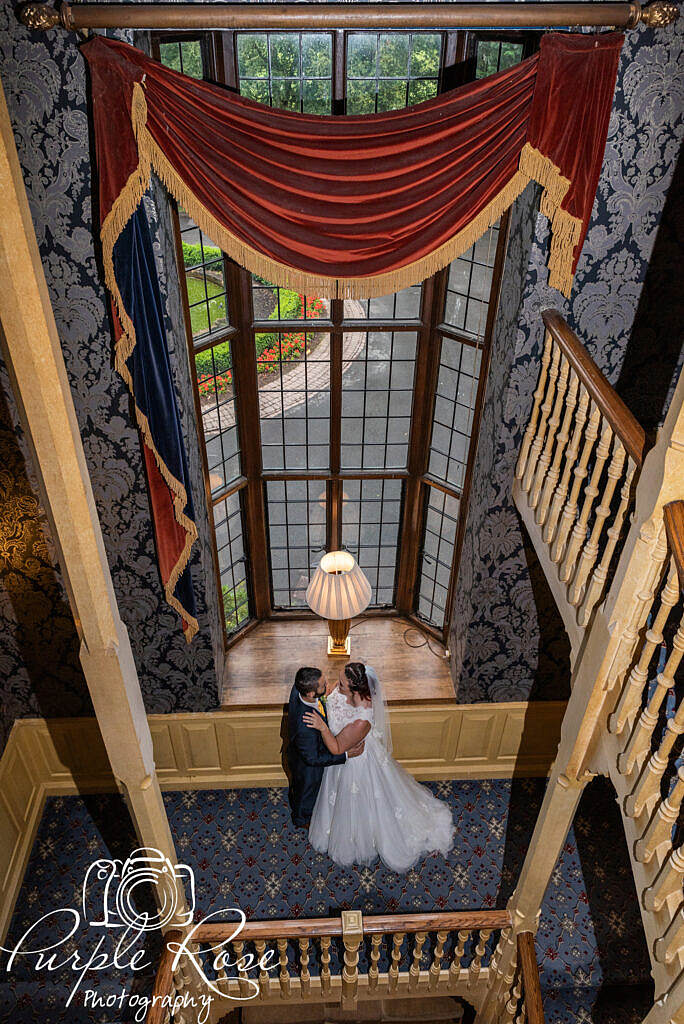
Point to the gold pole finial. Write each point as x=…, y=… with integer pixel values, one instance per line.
x=40, y=17
x=659, y=13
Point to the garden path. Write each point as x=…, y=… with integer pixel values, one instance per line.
x=301, y=381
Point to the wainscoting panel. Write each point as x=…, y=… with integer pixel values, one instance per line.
x=244, y=747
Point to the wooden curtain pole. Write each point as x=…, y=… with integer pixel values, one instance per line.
x=308, y=16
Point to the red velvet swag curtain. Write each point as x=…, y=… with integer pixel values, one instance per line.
x=357, y=206
x=343, y=206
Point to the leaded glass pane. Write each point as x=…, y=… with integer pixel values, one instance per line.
x=290, y=70
x=232, y=562
x=457, y=383
x=371, y=516
x=214, y=369
x=441, y=522
x=377, y=396
x=294, y=400
x=296, y=535
x=390, y=70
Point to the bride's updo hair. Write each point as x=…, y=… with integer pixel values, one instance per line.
x=355, y=672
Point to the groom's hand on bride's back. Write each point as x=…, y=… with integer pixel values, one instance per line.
x=355, y=751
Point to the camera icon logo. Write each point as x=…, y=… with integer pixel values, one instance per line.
x=119, y=892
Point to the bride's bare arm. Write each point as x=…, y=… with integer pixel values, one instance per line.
x=350, y=737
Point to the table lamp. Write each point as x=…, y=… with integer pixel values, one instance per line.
x=338, y=591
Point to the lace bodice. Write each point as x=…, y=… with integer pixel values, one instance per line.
x=341, y=712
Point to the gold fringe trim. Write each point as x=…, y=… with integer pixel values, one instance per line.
x=565, y=229
x=315, y=284
x=124, y=207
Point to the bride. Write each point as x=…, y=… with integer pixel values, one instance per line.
x=369, y=806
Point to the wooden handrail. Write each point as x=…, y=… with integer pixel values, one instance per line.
x=530, y=978
x=163, y=981
x=315, y=927
x=607, y=400
x=673, y=513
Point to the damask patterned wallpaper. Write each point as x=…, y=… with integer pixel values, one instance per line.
x=500, y=619
x=506, y=639
x=44, y=82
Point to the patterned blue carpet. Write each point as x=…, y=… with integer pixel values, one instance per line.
x=244, y=851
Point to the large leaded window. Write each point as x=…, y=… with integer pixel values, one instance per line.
x=331, y=424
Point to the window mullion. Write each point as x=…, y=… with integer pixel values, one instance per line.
x=427, y=366
x=226, y=63
x=339, y=72
x=334, y=509
x=249, y=427
x=493, y=305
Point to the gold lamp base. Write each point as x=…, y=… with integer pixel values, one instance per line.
x=339, y=641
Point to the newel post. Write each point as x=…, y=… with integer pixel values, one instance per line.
x=352, y=934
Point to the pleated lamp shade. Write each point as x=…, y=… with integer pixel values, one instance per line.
x=338, y=588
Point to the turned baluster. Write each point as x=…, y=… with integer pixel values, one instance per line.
x=672, y=942
x=243, y=980
x=284, y=974
x=639, y=742
x=476, y=964
x=561, y=492
x=569, y=514
x=222, y=980
x=179, y=984
x=562, y=439
x=668, y=881
x=630, y=698
x=325, y=964
x=532, y=423
x=600, y=574
x=512, y=1002
x=647, y=788
x=374, y=958
x=414, y=969
x=578, y=535
x=352, y=934
x=304, y=975
x=587, y=559
x=547, y=404
x=659, y=829
x=436, y=965
x=544, y=460
x=522, y=1014
x=264, y=976
x=455, y=966
x=393, y=973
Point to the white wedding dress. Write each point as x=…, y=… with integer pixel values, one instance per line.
x=370, y=807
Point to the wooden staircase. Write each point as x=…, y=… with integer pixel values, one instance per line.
x=608, y=527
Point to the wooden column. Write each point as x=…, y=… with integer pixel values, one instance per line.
x=32, y=351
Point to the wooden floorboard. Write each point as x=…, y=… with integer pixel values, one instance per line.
x=260, y=668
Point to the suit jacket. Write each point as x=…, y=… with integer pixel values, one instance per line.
x=307, y=756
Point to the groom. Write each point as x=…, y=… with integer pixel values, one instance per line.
x=307, y=754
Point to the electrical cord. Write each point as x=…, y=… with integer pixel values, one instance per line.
x=425, y=643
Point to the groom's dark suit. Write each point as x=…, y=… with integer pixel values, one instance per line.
x=307, y=756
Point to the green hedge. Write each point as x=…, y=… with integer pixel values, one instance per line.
x=234, y=604
x=192, y=254
x=290, y=309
